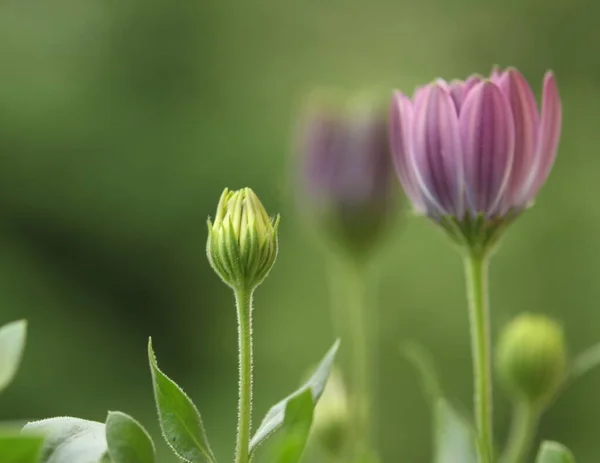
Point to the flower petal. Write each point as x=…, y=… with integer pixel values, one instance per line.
x=437, y=151
x=459, y=90
x=549, y=136
x=526, y=123
x=401, y=113
x=471, y=82
x=321, y=138
x=456, y=92
x=488, y=140
x=496, y=74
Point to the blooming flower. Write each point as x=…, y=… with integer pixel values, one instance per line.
x=346, y=171
x=472, y=155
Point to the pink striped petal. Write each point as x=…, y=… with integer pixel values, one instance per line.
x=459, y=90
x=437, y=151
x=400, y=122
x=418, y=94
x=488, y=140
x=456, y=92
x=526, y=123
x=471, y=82
x=496, y=74
x=549, y=136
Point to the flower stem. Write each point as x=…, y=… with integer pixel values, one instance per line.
x=476, y=272
x=525, y=420
x=359, y=335
x=243, y=300
x=349, y=304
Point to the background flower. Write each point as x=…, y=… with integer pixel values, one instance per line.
x=346, y=179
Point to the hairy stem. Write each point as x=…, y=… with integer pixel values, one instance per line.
x=476, y=274
x=244, y=315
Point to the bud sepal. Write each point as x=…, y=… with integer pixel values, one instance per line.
x=242, y=241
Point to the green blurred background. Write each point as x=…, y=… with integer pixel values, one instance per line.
x=122, y=121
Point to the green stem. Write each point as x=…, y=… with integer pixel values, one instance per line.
x=358, y=333
x=523, y=428
x=349, y=285
x=476, y=273
x=243, y=300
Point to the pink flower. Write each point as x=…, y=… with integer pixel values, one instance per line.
x=477, y=148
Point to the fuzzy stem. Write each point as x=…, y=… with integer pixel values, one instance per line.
x=476, y=274
x=525, y=421
x=243, y=300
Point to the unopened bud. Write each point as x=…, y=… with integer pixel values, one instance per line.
x=531, y=357
x=242, y=240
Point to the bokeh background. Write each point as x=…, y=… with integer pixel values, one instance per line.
x=120, y=124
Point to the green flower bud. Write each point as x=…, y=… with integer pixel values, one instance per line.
x=331, y=423
x=242, y=240
x=531, y=357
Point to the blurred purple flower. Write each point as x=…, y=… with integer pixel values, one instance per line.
x=477, y=147
x=346, y=170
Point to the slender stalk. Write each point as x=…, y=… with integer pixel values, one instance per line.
x=476, y=275
x=353, y=297
x=525, y=421
x=243, y=300
x=360, y=349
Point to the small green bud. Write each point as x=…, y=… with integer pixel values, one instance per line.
x=242, y=240
x=331, y=423
x=531, y=357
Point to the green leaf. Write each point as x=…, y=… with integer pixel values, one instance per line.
x=69, y=440
x=12, y=344
x=275, y=417
x=20, y=448
x=128, y=441
x=553, y=452
x=293, y=435
x=455, y=440
x=179, y=418
x=421, y=360
x=586, y=361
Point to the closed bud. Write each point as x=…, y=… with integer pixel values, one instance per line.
x=242, y=240
x=531, y=357
x=331, y=422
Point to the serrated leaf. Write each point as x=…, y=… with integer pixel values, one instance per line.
x=12, y=343
x=179, y=418
x=316, y=384
x=69, y=440
x=128, y=441
x=553, y=452
x=294, y=433
x=20, y=448
x=455, y=440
